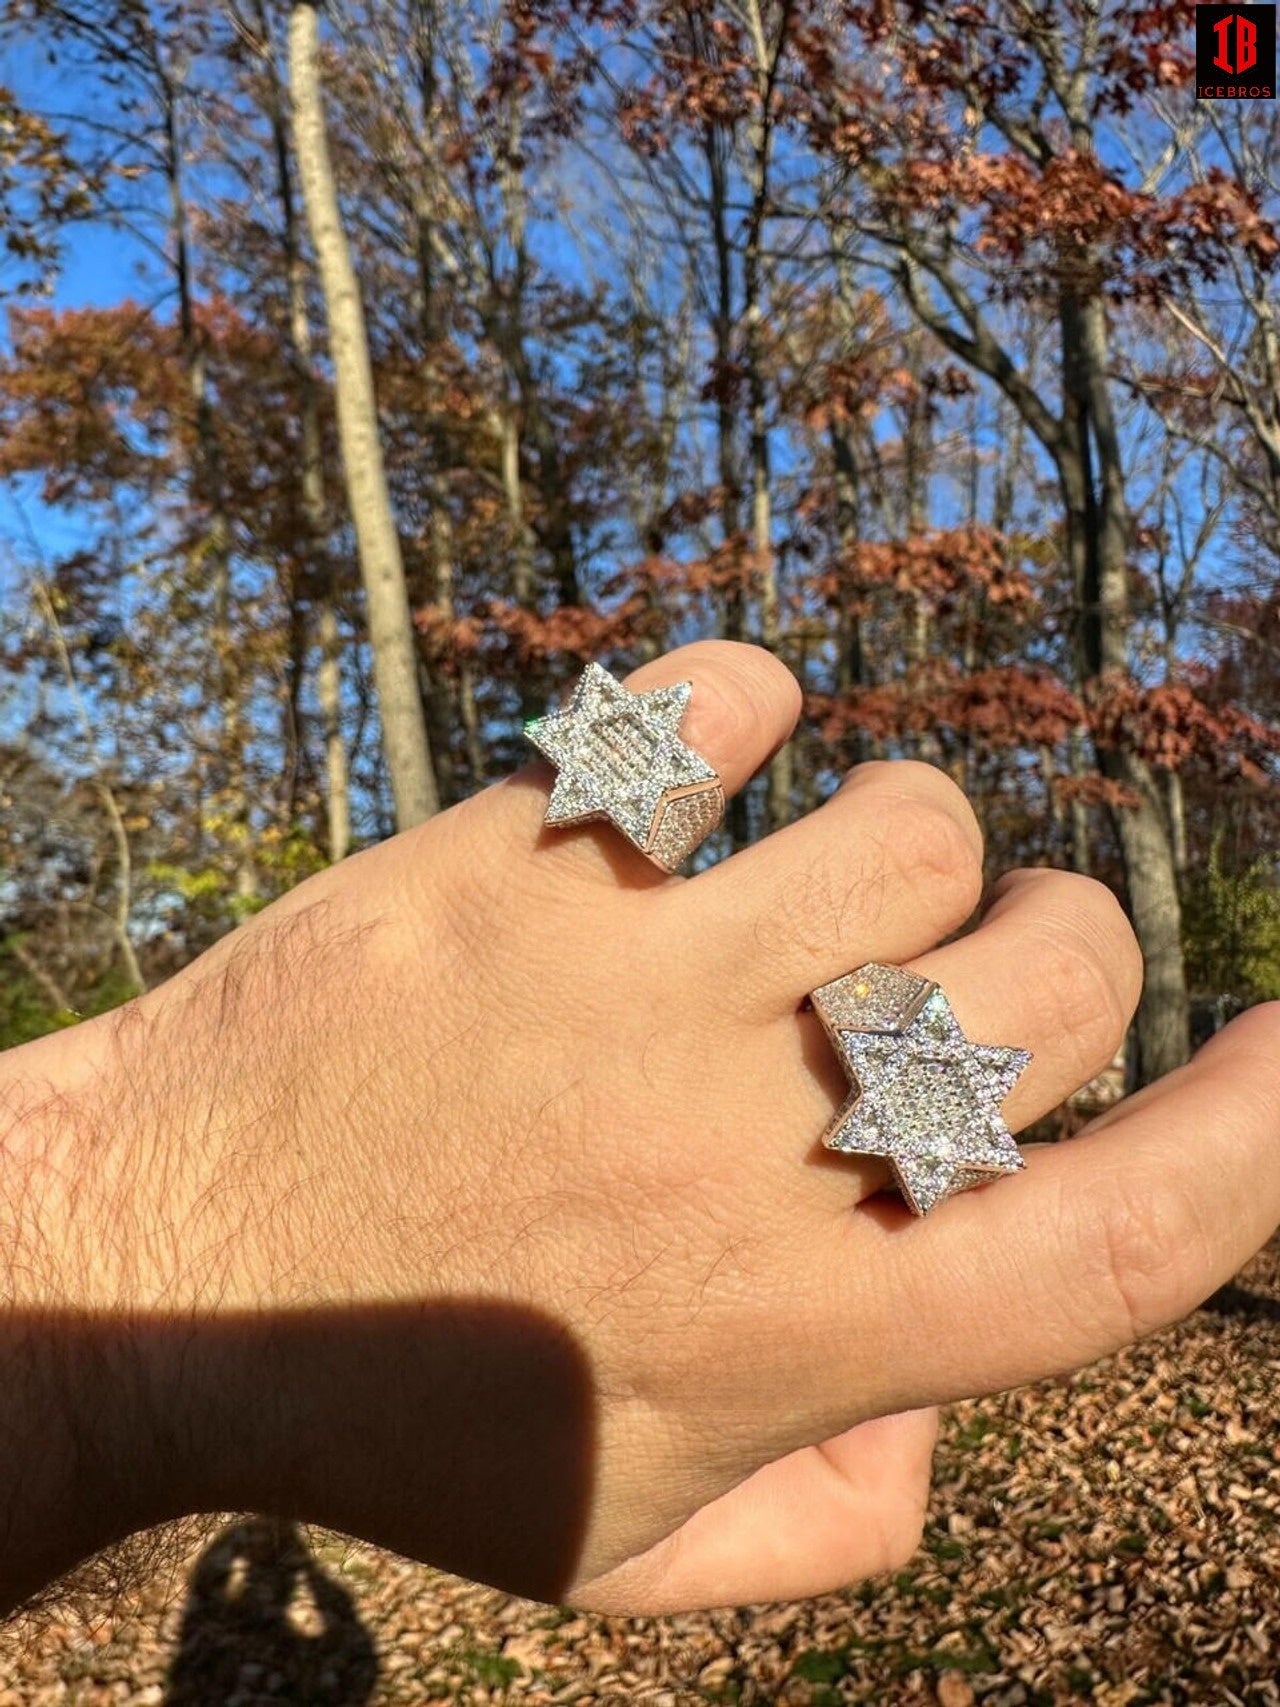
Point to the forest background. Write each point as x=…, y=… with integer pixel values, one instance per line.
x=363, y=375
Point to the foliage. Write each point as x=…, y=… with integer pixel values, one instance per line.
x=1233, y=928
x=27, y=1011
x=41, y=192
x=685, y=319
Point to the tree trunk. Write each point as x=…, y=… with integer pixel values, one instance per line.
x=115, y=818
x=734, y=618
x=778, y=802
x=395, y=663
x=533, y=424
x=209, y=490
x=1177, y=821
x=443, y=695
x=1097, y=534
x=1097, y=539
x=851, y=661
x=735, y=627
x=311, y=475
x=917, y=456
x=1081, y=839
x=847, y=462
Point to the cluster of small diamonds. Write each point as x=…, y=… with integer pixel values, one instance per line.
x=874, y=998
x=621, y=751
x=926, y=1098
x=934, y=1103
x=684, y=824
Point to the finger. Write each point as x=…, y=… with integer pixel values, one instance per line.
x=886, y=868
x=820, y=1518
x=1101, y=1240
x=744, y=706
x=1053, y=967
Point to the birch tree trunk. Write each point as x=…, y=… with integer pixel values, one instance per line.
x=768, y=54
x=395, y=664
x=311, y=473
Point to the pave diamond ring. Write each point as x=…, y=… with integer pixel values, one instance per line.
x=618, y=755
x=923, y=1097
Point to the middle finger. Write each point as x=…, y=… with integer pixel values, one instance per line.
x=890, y=865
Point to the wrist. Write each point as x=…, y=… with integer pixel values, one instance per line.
x=94, y=1407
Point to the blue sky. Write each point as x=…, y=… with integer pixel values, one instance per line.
x=99, y=265
x=102, y=264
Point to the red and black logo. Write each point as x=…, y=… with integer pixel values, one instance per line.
x=1236, y=53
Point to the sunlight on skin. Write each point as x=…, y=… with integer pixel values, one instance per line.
x=468, y=1198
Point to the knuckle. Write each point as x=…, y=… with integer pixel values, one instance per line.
x=923, y=807
x=738, y=699
x=916, y=779
x=1088, y=967
x=1148, y=1235
x=731, y=713
x=921, y=852
x=758, y=674
x=1108, y=924
x=923, y=843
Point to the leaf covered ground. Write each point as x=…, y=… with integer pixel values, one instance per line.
x=1113, y=1538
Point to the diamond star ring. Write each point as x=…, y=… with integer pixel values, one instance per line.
x=618, y=755
x=923, y=1097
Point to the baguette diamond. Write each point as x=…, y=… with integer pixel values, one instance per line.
x=618, y=755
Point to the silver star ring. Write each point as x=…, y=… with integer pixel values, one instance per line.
x=618, y=755
x=923, y=1097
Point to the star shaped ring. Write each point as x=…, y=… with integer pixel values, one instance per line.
x=923, y=1097
x=618, y=755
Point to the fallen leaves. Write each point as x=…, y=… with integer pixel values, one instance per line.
x=1112, y=1537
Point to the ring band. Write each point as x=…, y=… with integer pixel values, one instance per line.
x=923, y=1097
x=618, y=755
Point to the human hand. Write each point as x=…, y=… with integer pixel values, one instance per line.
x=469, y=1199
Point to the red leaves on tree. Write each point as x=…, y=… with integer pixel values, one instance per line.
x=448, y=638
x=84, y=397
x=577, y=632
x=938, y=564
x=1170, y=725
x=1016, y=706
x=1004, y=707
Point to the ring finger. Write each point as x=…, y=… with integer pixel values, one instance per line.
x=1053, y=967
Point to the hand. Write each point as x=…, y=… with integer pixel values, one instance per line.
x=469, y=1199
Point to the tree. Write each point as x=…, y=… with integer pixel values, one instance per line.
x=823, y=325
x=42, y=190
x=404, y=730
x=979, y=170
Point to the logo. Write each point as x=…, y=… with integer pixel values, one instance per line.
x=1236, y=53
x=1246, y=43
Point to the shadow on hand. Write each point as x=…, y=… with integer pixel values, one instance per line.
x=264, y=1621
x=461, y=1431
